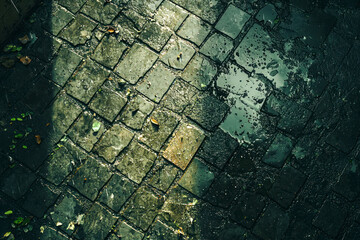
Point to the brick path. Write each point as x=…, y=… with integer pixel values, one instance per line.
x=183, y=119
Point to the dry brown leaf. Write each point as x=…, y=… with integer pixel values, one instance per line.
x=7, y=62
x=25, y=60
x=38, y=139
x=25, y=39
x=154, y=121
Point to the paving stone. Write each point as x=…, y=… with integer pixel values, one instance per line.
x=113, y=142
x=160, y=231
x=38, y=199
x=143, y=207
x=293, y=116
x=108, y=103
x=267, y=15
x=155, y=35
x=354, y=232
x=136, y=111
x=73, y=6
x=199, y=72
x=99, y=11
x=135, y=162
x=67, y=212
x=126, y=232
x=50, y=233
x=79, y=31
x=127, y=29
x=184, y=144
x=82, y=131
x=242, y=161
x=286, y=186
x=129, y=69
x=330, y=218
x=348, y=183
x=145, y=8
x=60, y=164
x=163, y=175
x=98, y=222
x=207, y=110
x=155, y=136
x=218, y=148
x=55, y=19
x=86, y=81
x=247, y=209
x=45, y=47
x=252, y=91
x=42, y=93
x=179, y=96
x=300, y=230
x=63, y=66
x=116, y=192
x=177, y=53
x=109, y=51
x=217, y=47
x=194, y=29
x=197, y=178
x=272, y=218
x=278, y=151
x=16, y=181
x=156, y=83
x=233, y=231
x=138, y=19
x=223, y=191
x=232, y=21
x=208, y=10
x=170, y=15
x=90, y=178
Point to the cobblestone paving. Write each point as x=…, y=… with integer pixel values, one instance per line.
x=182, y=119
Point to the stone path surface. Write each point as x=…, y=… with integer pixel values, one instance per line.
x=182, y=119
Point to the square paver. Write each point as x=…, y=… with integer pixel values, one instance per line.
x=144, y=8
x=208, y=111
x=170, y=15
x=72, y=6
x=126, y=232
x=273, y=218
x=136, y=111
x=56, y=19
x=179, y=96
x=155, y=35
x=113, y=142
x=155, y=135
x=79, y=31
x=63, y=66
x=90, y=178
x=286, y=186
x=117, y=192
x=99, y=11
x=163, y=175
x=348, y=184
x=109, y=51
x=197, y=178
x=156, y=83
x=143, y=207
x=129, y=69
x=218, y=148
x=247, y=209
x=107, y=103
x=86, y=81
x=242, y=161
x=177, y=53
x=17, y=181
x=97, y=223
x=183, y=145
x=331, y=218
x=38, y=199
x=217, y=47
x=232, y=21
x=50, y=233
x=194, y=29
x=135, y=162
x=82, y=132
x=199, y=72
x=278, y=151
x=160, y=229
x=127, y=29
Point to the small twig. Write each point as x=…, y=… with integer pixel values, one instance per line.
x=15, y=6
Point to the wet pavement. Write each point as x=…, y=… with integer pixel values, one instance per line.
x=182, y=119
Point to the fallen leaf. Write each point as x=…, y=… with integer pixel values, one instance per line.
x=42, y=229
x=38, y=139
x=25, y=60
x=111, y=29
x=47, y=124
x=7, y=234
x=58, y=224
x=71, y=226
x=8, y=212
x=25, y=39
x=154, y=121
x=96, y=126
x=7, y=62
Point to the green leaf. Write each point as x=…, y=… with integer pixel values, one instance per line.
x=19, y=135
x=24, y=147
x=19, y=220
x=13, y=119
x=96, y=126
x=8, y=212
x=19, y=119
